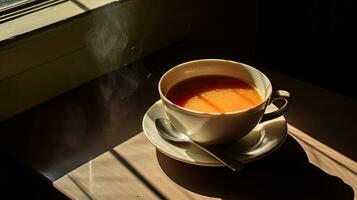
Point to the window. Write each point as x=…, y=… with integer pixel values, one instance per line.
x=11, y=9
x=21, y=16
x=7, y=6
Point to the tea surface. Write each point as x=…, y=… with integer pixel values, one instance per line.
x=214, y=94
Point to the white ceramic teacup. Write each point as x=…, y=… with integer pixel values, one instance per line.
x=216, y=128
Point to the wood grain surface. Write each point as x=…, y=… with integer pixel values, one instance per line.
x=135, y=170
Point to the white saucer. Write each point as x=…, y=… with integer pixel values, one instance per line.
x=264, y=139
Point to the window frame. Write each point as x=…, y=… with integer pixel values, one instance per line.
x=18, y=5
x=41, y=14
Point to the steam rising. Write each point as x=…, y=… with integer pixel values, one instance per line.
x=108, y=36
x=107, y=41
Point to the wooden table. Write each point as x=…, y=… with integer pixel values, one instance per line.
x=302, y=168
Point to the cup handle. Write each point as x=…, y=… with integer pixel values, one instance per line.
x=277, y=95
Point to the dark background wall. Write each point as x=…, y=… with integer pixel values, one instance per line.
x=312, y=40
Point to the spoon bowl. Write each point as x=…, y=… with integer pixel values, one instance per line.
x=169, y=132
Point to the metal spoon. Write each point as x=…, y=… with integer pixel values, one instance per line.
x=168, y=132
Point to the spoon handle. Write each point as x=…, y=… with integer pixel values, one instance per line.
x=226, y=160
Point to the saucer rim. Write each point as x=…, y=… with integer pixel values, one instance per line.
x=218, y=164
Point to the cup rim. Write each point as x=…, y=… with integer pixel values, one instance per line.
x=199, y=113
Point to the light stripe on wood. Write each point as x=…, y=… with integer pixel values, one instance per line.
x=112, y=175
x=103, y=178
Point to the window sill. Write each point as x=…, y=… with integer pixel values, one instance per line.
x=51, y=60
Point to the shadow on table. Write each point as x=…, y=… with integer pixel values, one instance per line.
x=285, y=174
